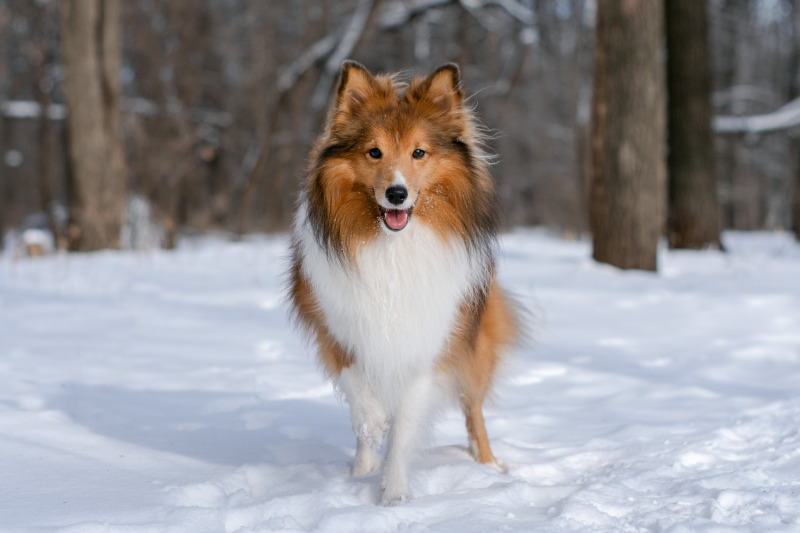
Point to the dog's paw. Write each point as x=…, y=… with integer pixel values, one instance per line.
x=390, y=500
x=394, y=490
x=498, y=465
x=366, y=462
x=495, y=463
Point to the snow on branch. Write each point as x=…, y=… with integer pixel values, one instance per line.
x=783, y=118
x=28, y=109
x=512, y=7
x=31, y=109
x=402, y=13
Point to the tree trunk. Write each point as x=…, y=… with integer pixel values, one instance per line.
x=628, y=189
x=47, y=140
x=92, y=48
x=794, y=142
x=693, y=219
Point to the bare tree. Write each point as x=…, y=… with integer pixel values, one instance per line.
x=45, y=24
x=627, y=195
x=794, y=93
x=90, y=32
x=693, y=219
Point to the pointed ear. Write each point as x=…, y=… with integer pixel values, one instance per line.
x=355, y=84
x=443, y=88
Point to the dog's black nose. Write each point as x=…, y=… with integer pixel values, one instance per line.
x=396, y=194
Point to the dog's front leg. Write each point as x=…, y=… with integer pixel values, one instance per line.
x=368, y=417
x=412, y=414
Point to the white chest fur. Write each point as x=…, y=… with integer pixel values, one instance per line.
x=395, y=308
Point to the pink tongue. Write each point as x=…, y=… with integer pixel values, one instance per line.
x=396, y=219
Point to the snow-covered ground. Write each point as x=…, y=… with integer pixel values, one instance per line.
x=166, y=391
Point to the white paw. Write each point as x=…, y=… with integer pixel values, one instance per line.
x=390, y=499
x=395, y=491
x=366, y=462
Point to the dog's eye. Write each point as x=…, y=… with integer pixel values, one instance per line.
x=375, y=153
x=418, y=154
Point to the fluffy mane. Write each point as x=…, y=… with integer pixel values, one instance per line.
x=459, y=202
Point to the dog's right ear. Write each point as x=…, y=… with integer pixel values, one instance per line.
x=355, y=84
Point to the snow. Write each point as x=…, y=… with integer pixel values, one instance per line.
x=786, y=117
x=166, y=391
x=31, y=109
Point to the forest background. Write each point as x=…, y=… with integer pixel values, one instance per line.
x=216, y=104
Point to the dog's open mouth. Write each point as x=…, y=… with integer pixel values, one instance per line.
x=396, y=219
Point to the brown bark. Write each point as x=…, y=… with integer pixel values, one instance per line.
x=693, y=219
x=90, y=33
x=628, y=189
x=794, y=143
x=46, y=134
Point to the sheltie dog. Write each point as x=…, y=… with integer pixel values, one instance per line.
x=393, y=264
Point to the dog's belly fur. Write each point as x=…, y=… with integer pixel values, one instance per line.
x=394, y=310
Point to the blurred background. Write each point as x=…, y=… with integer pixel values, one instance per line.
x=217, y=102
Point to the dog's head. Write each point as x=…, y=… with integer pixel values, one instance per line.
x=392, y=155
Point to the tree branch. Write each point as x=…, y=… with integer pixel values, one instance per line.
x=299, y=66
x=512, y=7
x=352, y=35
x=404, y=13
x=785, y=117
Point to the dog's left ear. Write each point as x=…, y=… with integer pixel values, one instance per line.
x=443, y=88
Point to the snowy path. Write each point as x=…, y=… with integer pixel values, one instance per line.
x=166, y=392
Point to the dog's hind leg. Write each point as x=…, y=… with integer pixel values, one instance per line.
x=478, y=437
x=497, y=332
